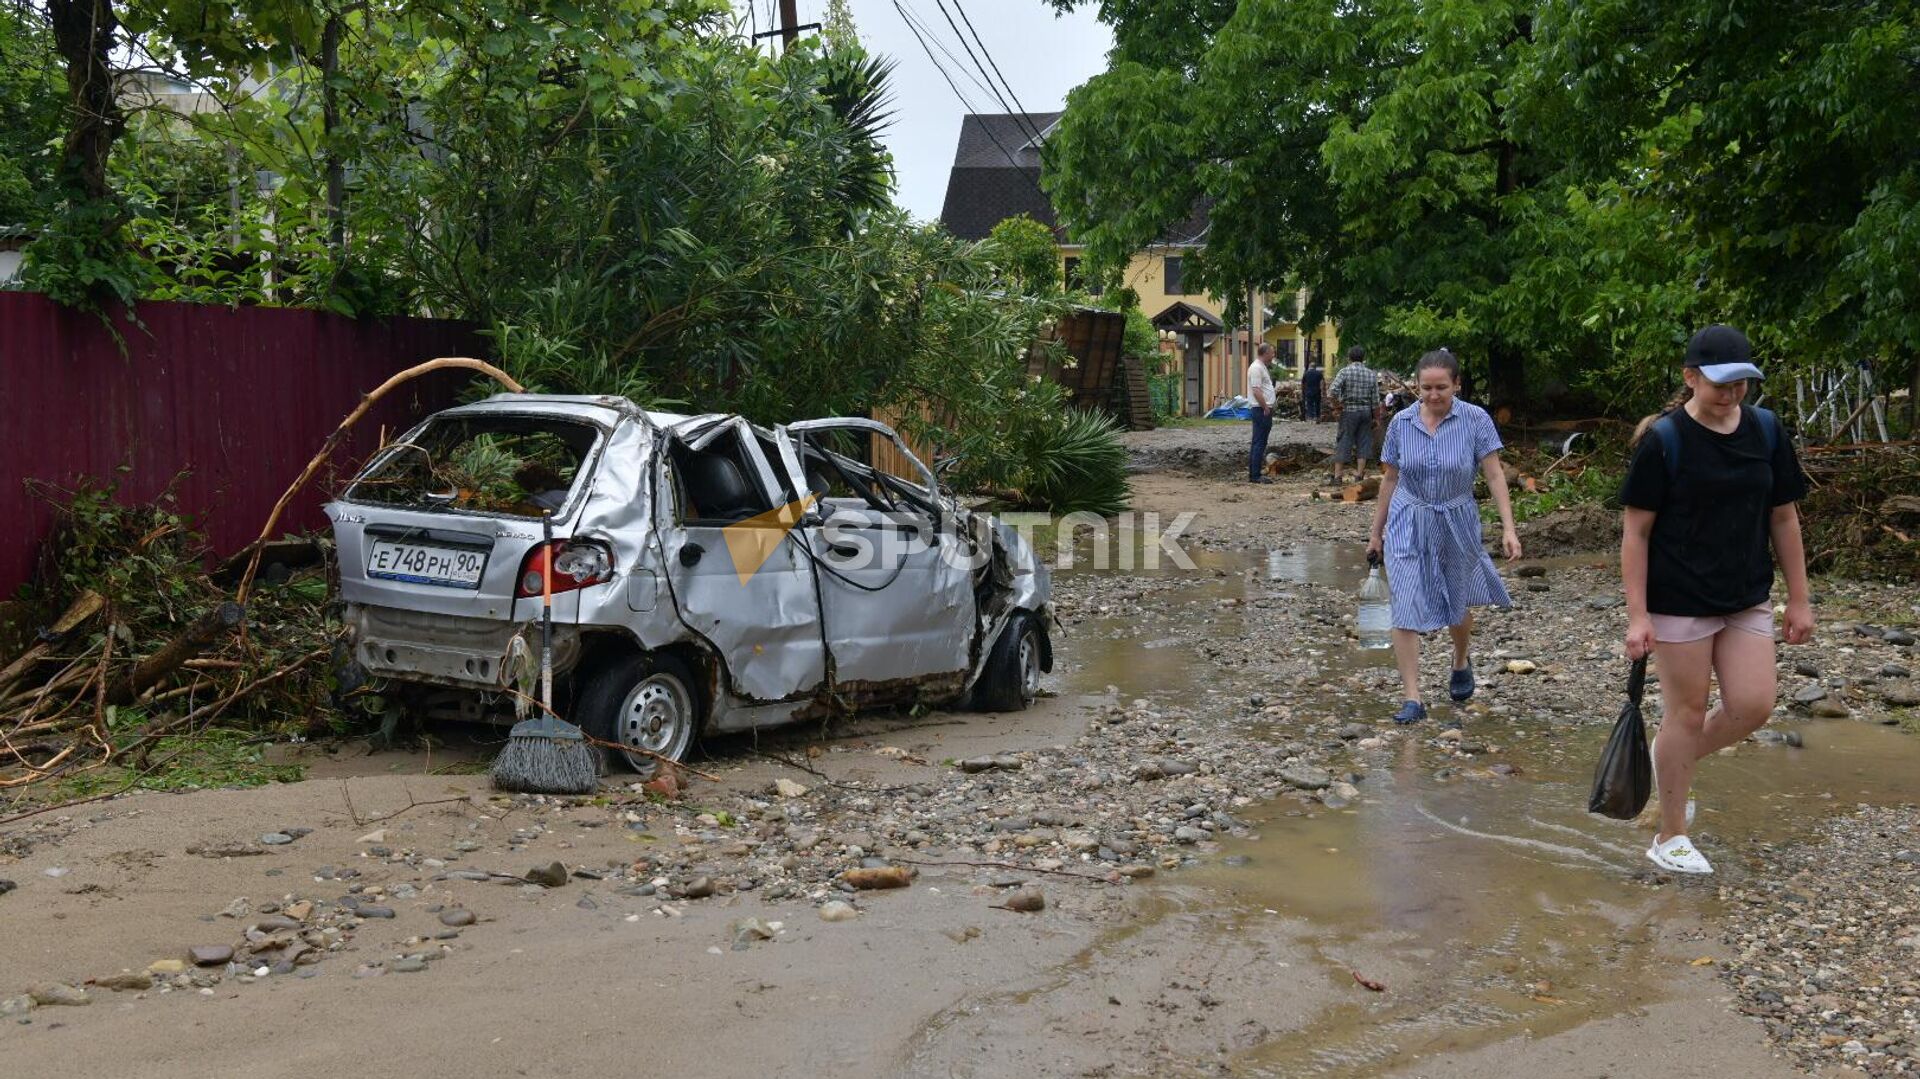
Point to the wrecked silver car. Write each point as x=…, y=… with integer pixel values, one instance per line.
x=708, y=574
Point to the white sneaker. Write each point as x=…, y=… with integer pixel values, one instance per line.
x=1678, y=855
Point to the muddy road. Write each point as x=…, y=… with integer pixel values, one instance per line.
x=1245, y=868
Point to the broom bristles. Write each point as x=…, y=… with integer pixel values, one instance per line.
x=543, y=762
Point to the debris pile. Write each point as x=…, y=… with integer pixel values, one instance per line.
x=1861, y=515
x=143, y=652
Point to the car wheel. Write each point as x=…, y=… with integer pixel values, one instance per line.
x=642, y=703
x=1011, y=679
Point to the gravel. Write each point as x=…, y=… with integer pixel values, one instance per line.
x=1828, y=945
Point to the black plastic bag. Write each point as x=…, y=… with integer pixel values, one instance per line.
x=1623, y=781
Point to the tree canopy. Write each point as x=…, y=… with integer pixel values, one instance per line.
x=1560, y=191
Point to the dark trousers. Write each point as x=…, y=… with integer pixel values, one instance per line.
x=1310, y=406
x=1257, y=456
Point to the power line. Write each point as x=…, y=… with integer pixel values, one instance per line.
x=955, y=87
x=914, y=19
x=1025, y=119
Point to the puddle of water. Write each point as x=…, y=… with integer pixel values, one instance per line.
x=1497, y=904
x=1493, y=906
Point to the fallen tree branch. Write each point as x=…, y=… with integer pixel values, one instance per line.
x=825, y=778
x=346, y=794
x=84, y=606
x=155, y=731
x=339, y=433
x=190, y=643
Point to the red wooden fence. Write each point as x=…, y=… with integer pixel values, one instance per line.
x=239, y=399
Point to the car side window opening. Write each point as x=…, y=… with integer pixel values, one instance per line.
x=836, y=475
x=716, y=484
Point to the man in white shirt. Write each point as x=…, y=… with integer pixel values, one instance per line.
x=1260, y=389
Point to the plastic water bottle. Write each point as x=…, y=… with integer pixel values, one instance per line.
x=1374, y=620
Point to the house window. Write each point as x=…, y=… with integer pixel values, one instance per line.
x=1286, y=353
x=1075, y=279
x=1175, y=275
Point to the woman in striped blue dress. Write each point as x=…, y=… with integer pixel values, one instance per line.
x=1428, y=524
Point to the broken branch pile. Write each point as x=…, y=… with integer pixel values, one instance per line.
x=149, y=652
x=1861, y=515
x=146, y=650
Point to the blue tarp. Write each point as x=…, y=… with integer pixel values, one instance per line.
x=1238, y=408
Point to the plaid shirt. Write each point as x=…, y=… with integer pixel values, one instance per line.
x=1356, y=386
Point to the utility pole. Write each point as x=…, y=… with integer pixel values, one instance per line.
x=789, y=23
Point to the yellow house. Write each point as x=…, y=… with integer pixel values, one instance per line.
x=996, y=175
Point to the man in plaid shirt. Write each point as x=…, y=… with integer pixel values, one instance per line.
x=1357, y=388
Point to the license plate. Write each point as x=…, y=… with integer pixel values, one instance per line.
x=423, y=563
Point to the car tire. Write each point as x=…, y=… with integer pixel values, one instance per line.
x=1011, y=679
x=645, y=701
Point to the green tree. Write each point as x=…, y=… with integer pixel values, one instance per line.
x=30, y=123
x=1368, y=149
x=1789, y=156
x=1025, y=254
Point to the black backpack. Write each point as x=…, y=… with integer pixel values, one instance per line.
x=1670, y=437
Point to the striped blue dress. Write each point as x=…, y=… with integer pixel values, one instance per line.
x=1437, y=564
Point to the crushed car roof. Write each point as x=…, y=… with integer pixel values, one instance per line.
x=607, y=407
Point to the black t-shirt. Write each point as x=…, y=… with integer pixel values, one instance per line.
x=1711, y=551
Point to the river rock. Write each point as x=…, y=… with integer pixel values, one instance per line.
x=167, y=967
x=698, y=888
x=1901, y=695
x=551, y=875
x=457, y=917
x=1306, y=777
x=1190, y=834
x=134, y=981
x=7, y=886
x=1531, y=570
x=210, y=955
x=1897, y=636
x=1894, y=670
x=748, y=931
x=411, y=964
x=1808, y=694
x=275, y=839
x=1026, y=900
x=58, y=993
x=836, y=911
x=787, y=788
x=886, y=876
x=1830, y=708
x=1521, y=666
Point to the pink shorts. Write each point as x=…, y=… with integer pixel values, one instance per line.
x=1680, y=628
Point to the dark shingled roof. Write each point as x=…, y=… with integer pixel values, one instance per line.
x=996, y=175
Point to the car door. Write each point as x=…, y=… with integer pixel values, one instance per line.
x=739, y=576
x=896, y=595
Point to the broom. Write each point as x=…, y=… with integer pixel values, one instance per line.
x=546, y=754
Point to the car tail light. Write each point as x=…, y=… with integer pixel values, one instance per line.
x=576, y=564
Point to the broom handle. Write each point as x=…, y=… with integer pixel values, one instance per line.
x=546, y=613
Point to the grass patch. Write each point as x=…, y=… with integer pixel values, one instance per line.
x=208, y=759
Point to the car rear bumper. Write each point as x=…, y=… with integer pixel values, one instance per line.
x=472, y=653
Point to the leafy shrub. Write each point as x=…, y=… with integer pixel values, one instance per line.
x=1074, y=462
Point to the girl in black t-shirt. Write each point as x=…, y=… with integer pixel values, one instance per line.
x=1710, y=507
